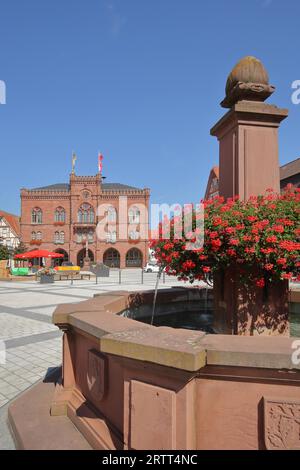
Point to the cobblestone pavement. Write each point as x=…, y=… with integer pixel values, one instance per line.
x=33, y=344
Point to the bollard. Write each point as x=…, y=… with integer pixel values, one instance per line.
x=71, y=279
x=142, y=276
x=96, y=279
x=164, y=277
x=120, y=276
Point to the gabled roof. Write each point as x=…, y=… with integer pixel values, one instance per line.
x=12, y=220
x=214, y=173
x=290, y=169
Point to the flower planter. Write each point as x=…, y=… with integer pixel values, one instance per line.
x=46, y=279
x=243, y=310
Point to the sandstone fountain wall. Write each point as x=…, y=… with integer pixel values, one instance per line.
x=129, y=385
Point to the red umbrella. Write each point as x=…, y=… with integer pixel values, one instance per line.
x=38, y=254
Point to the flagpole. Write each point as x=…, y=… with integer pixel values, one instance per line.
x=100, y=160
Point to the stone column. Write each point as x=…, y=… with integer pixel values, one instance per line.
x=248, y=165
x=248, y=159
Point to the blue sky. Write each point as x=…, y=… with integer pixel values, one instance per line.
x=140, y=80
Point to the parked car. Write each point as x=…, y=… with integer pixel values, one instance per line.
x=151, y=268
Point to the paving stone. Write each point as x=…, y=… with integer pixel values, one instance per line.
x=33, y=344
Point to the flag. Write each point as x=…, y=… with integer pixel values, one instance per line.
x=100, y=164
x=74, y=158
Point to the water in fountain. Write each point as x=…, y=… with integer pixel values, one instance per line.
x=192, y=315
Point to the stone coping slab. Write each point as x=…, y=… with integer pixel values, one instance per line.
x=111, y=302
x=166, y=346
x=178, y=348
x=269, y=352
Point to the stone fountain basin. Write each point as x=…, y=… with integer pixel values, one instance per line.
x=129, y=385
x=105, y=318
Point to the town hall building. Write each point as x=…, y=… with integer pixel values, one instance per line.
x=64, y=217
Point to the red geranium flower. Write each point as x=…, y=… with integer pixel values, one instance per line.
x=271, y=239
x=260, y=282
x=206, y=269
x=269, y=266
x=262, y=234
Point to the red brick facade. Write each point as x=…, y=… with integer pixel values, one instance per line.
x=60, y=218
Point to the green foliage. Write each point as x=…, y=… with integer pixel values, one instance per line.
x=261, y=236
x=22, y=248
x=4, y=253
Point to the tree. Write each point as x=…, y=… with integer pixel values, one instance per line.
x=4, y=252
x=22, y=248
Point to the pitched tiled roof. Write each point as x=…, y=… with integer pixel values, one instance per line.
x=66, y=187
x=116, y=186
x=290, y=169
x=53, y=187
x=12, y=220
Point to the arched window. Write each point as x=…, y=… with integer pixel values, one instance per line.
x=111, y=258
x=60, y=214
x=82, y=254
x=111, y=236
x=134, y=258
x=59, y=261
x=59, y=237
x=36, y=216
x=111, y=214
x=38, y=235
x=134, y=215
x=86, y=214
x=33, y=236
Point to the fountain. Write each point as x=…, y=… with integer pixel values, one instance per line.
x=248, y=166
x=202, y=390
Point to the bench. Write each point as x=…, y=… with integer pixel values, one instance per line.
x=73, y=275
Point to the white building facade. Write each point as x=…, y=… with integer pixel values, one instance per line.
x=9, y=230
